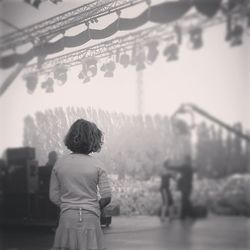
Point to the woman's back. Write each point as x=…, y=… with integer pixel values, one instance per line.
x=78, y=176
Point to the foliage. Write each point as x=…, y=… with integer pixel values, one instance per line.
x=134, y=145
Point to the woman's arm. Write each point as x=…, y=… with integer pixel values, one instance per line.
x=104, y=189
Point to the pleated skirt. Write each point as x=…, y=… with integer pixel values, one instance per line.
x=78, y=231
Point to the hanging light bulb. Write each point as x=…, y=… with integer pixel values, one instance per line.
x=236, y=35
x=124, y=60
x=103, y=67
x=91, y=66
x=152, y=51
x=56, y=1
x=196, y=38
x=31, y=82
x=60, y=73
x=83, y=73
x=110, y=68
x=171, y=52
x=48, y=85
x=34, y=3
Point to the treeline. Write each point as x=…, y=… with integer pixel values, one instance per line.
x=136, y=145
x=219, y=153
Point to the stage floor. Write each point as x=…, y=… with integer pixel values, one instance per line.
x=148, y=233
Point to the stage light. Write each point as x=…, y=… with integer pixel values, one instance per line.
x=62, y=77
x=48, y=85
x=83, y=74
x=110, y=68
x=196, y=38
x=178, y=33
x=56, y=1
x=236, y=35
x=152, y=51
x=60, y=73
x=140, y=61
x=31, y=82
x=91, y=66
x=89, y=69
x=34, y=3
x=171, y=52
x=124, y=60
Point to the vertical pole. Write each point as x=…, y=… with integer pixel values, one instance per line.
x=139, y=92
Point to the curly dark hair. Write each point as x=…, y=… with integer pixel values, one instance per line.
x=84, y=137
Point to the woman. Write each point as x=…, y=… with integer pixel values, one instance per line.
x=75, y=181
x=167, y=198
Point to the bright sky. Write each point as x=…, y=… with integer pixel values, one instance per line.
x=215, y=78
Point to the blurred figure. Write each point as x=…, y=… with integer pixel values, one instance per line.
x=185, y=185
x=75, y=181
x=167, y=198
x=52, y=158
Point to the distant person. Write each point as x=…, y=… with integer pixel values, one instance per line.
x=45, y=172
x=185, y=185
x=52, y=158
x=75, y=181
x=167, y=198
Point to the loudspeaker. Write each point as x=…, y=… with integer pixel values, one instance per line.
x=22, y=177
x=44, y=179
x=18, y=155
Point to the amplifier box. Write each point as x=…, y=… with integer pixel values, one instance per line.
x=22, y=178
x=17, y=155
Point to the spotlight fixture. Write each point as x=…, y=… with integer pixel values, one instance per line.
x=236, y=35
x=124, y=60
x=89, y=69
x=84, y=77
x=152, y=51
x=34, y=3
x=60, y=73
x=171, y=52
x=196, y=38
x=48, y=85
x=31, y=82
x=91, y=64
x=109, y=69
x=56, y=1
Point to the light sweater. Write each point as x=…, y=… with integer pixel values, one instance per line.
x=75, y=182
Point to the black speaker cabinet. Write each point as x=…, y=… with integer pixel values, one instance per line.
x=19, y=155
x=21, y=178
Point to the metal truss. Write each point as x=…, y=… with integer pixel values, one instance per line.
x=161, y=32
x=47, y=29
x=106, y=49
